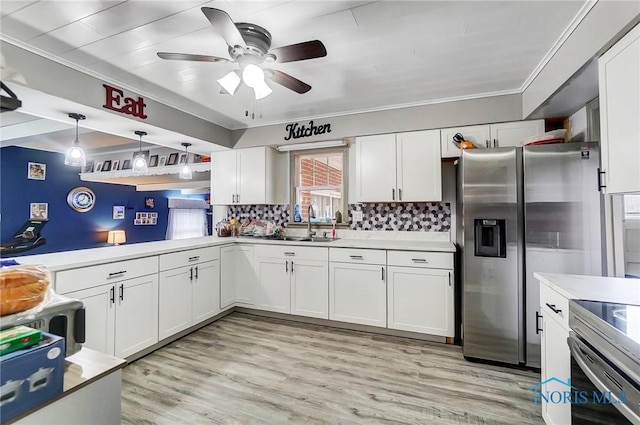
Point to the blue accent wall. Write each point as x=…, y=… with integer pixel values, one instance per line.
x=67, y=229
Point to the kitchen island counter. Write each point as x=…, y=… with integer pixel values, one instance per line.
x=593, y=288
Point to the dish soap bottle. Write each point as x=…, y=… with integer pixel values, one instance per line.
x=297, y=217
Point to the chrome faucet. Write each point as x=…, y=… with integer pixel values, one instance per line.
x=311, y=215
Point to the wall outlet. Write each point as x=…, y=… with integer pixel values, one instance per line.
x=357, y=216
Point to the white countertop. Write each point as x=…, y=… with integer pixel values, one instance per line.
x=593, y=288
x=88, y=257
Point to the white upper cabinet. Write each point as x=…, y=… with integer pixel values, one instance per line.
x=243, y=176
x=619, y=74
x=490, y=135
x=403, y=167
x=478, y=134
x=513, y=133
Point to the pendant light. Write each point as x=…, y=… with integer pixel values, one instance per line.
x=75, y=156
x=185, y=171
x=139, y=159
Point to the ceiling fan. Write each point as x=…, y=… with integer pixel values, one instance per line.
x=250, y=46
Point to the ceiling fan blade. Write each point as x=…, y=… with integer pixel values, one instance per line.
x=223, y=25
x=299, y=52
x=190, y=57
x=287, y=81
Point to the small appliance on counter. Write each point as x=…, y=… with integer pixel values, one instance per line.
x=605, y=362
x=58, y=315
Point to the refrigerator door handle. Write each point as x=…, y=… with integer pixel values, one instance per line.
x=600, y=185
x=538, y=328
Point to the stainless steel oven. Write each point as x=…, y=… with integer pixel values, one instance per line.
x=605, y=363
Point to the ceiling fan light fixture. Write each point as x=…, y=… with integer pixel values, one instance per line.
x=262, y=90
x=75, y=155
x=230, y=82
x=253, y=75
x=139, y=160
x=185, y=171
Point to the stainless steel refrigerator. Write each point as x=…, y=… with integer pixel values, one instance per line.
x=523, y=210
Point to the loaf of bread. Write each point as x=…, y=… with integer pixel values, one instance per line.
x=22, y=287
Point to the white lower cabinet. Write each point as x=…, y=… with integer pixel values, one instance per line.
x=357, y=291
x=237, y=276
x=420, y=300
x=121, y=318
x=555, y=355
x=189, y=293
x=292, y=280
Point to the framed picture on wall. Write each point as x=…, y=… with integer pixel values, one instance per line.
x=116, y=165
x=118, y=212
x=88, y=167
x=183, y=158
x=36, y=171
x=149, y=203
x=39, y=211
x=106, y=166
x=98, y=167
x=197, y=158
x=163, y=161
x=173, y=159
x=153, y=161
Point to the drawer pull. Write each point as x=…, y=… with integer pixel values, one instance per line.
x=419, y=260
x=538, y=328
x=356, y=257
x=289, y=253
x=194, y=258
x=116, y=274
x=554, y=308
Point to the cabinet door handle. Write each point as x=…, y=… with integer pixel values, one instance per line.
x=600, y=185
x=393, y=194
x=286, y=266
x=399, y=194
x=196, y=272
x=191, y=273
x=449, y=273
x=112, y=295
x=419, y=260
x=554, y=308
x=116, y=274
x=495, y=143
x=291, y=266
x=122, y=292
x=233, y=198
x=486, y=143
x=538, y=328
x=356, y=257
x=237, y=197
x=195, y=258
x=383, y=274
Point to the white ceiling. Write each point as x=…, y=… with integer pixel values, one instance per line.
x=379, y=54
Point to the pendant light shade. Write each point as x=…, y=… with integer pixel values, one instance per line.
x=75, y=156
x=139, y=160
x=185, y=171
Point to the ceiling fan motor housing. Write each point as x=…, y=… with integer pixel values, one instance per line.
x=257, y=39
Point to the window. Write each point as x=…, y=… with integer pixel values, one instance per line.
x=318, y=180
x=187, y=219
x=632, y=206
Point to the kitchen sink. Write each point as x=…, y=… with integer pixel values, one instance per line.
x=307, y=239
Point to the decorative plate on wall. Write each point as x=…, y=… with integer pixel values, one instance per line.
x=81, y=199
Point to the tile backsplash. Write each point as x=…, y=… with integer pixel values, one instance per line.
x=420, y=217
x=276, y=213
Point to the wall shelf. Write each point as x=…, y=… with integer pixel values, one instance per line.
x=156, y=178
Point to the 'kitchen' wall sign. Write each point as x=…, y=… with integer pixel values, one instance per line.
x=116, y=101
x=296, y=131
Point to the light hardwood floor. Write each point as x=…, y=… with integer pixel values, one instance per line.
x=245, y=369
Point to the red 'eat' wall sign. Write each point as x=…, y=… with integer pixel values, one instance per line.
x=116, y=101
